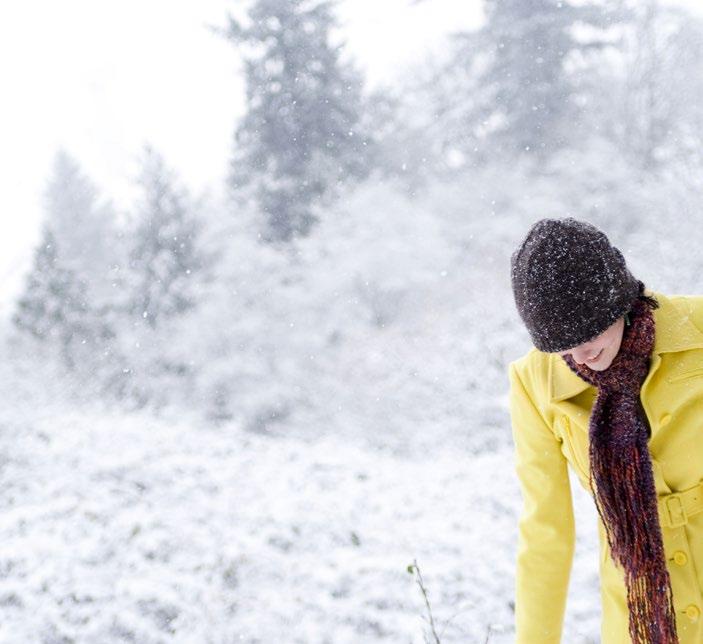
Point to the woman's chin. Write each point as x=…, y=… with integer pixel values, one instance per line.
x=602, y=365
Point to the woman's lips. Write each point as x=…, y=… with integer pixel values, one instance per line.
x=596, y=358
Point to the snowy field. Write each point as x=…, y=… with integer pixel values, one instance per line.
x=129, y=528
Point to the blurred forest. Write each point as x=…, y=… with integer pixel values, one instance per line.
x=353, y=279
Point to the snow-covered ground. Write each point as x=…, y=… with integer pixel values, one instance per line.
x=129, y=528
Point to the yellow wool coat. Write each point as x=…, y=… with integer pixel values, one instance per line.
x=550, y=407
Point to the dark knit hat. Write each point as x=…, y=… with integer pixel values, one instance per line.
x=570, y=284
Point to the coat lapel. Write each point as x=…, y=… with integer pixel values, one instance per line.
x=673, y=332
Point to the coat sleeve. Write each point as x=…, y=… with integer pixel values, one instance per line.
x=546, y=533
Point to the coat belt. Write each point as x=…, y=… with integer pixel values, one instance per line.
x=677, y=507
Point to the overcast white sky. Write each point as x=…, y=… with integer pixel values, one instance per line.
x=103, y=77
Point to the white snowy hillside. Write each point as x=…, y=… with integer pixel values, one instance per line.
x=256, y=307
x=125, y=527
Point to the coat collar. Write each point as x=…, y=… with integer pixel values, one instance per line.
x=673, y=332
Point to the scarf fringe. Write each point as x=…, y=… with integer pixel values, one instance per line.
x=639, y=553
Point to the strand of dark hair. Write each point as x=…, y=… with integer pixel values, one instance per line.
x=652, y=301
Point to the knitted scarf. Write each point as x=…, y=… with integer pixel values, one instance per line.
x=621, y=469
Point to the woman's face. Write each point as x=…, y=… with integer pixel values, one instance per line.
x=599, y=352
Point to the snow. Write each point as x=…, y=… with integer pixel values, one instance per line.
x=329, y=412
x=134, y=527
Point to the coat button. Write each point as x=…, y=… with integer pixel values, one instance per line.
x=680, y=558
x=693, y=612
x=664, y=420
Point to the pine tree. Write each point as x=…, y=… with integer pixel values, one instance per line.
x=39, y=308
x=518, y=93
x=83, y=224
x=300, y=139
x=66, y=290
x=652, y=106
x=164, y=258
x=53, y=307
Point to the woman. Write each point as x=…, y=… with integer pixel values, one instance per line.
x=614, y=388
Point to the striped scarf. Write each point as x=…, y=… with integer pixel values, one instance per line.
x=621, y=469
